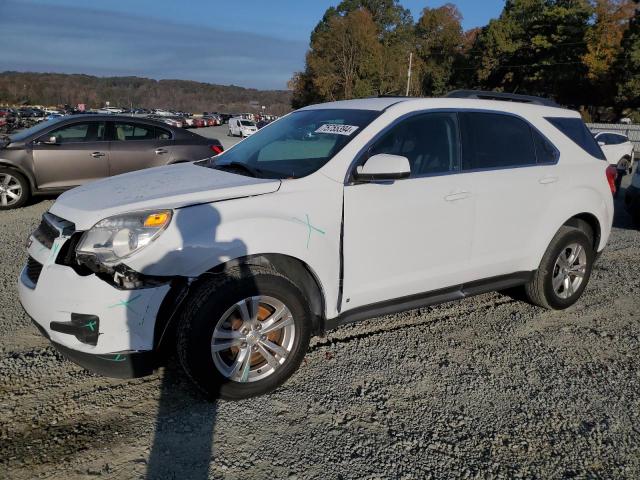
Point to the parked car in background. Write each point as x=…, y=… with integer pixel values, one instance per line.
x=337, y=213
x=617, y=148
x=65, y=152
x=239, y=127
x=632, y=198
x=177, y=122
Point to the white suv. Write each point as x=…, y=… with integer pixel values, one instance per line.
x=333, y=214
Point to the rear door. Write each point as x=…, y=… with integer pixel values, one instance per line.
x=79, y=154
x=514, y=178
x=137, y=145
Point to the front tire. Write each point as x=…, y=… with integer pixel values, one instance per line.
x=243, y=333
x=564, y=271
x=14, y=189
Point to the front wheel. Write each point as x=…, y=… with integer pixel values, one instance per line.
x=243, y=333
x=564, y=271
x=14, y=189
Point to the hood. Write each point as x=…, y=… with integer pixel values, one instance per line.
x=171, y=186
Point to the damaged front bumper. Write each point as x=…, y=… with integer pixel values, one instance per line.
x=105, y=329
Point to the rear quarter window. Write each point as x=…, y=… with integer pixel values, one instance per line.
x=577, y=131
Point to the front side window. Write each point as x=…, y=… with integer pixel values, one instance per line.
x=80, y=133
x=133, y=131
x=429, y=141
x=577, y=131
x=492, y=140
x=296, y=145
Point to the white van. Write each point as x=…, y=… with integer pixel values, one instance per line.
x=241, y=127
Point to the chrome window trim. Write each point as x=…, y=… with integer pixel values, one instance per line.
x=358, y=157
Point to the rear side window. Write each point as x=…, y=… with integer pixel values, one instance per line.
x=576, y=130
x=134, y=131
x=162, y=134
x=545, y=151
x=493, y=140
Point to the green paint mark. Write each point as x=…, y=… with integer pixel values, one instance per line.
x=310, y=228
x=91, y=325
x=117, y=358
x=54, y=251
x=126, y=303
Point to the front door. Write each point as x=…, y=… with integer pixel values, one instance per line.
x=78, y=154
x=413, y=235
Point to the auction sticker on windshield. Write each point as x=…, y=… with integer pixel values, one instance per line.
x=337, y=129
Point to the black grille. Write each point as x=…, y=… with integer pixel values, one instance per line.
x=34, y=268
x=46, y=233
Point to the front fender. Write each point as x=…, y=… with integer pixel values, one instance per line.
x=302, y=225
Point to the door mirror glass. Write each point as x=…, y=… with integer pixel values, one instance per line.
x=52, y=140
x=384, y=166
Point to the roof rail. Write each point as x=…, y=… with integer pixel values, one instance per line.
x=506, y=97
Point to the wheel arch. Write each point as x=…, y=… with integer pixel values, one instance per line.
x=591, y=221
x=21, y=171
x=296, y=270
x=293, y=268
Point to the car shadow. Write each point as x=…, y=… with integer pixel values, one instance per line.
x=182, y=445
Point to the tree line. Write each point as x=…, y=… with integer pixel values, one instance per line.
x=18, y=88
x=583, y=53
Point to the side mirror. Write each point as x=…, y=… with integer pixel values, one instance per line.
x=601, y=143
x=383, y=167
x=52, y=140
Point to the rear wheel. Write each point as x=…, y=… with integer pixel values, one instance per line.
x=14, y=189
x=564, y=271
x=243, y=333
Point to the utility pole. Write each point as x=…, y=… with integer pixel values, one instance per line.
x=409, y=73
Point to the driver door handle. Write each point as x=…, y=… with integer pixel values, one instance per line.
x=452, y=197
x=160, y=151
x=97, y=154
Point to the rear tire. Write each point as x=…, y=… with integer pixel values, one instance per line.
x=234, y=354
x=564, y=271
x=14, y=189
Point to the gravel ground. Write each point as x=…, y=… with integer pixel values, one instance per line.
x=484, y=388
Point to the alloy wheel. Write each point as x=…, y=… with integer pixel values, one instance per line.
x=569, y=270
x=10, y=190
x=253, y=339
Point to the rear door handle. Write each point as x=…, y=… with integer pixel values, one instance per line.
x=160, y=151
x=97, y=154
x=548, y=180
x=452, y=197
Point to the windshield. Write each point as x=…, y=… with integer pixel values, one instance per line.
x=295, y=146
x=247, y=123
x=24, y=134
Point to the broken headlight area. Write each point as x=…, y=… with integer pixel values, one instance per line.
x=115, y=238
x=119, y=276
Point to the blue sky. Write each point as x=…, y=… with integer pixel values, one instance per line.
x=252, y=43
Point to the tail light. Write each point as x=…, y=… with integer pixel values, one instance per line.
x=217, y=149
x=612, y=172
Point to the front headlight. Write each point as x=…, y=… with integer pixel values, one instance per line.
x=114, y=238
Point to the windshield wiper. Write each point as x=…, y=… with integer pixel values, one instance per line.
x=235, y=166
